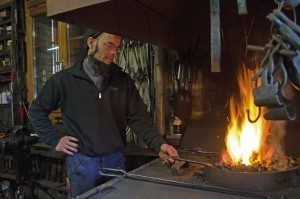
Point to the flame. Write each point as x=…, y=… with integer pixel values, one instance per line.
x=244, y=139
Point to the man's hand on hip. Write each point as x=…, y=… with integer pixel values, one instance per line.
x=68, y=145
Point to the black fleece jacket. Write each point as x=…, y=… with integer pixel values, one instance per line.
x=97, y=118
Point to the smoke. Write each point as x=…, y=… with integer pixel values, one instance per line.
x=275, y=145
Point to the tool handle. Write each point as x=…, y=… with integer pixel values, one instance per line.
x=286, y=31
x=286, y=20
x=119, y=173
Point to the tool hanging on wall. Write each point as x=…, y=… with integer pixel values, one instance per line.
x=185, y=75
x=173, y=60
x=134, y=58
x=137, y=59
x=280, y=65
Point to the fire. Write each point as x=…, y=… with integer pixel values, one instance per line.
x=244, y=140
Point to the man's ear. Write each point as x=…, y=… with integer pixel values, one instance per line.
x=90, y=41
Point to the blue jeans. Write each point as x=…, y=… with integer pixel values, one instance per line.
x=83, y=171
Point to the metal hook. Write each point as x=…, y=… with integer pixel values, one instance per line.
x=258, y=116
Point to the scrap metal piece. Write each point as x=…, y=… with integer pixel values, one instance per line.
x=176, y=168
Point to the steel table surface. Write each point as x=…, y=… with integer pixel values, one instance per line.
x=127, y=188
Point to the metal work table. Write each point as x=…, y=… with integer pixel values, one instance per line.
x=128, y=188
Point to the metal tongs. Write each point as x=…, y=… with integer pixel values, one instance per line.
x=120, y=173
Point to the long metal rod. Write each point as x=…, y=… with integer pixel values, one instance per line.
x=192, y=161
x=123, y=174
x=192, y=151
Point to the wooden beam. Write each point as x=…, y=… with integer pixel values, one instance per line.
x=3, y=2
x=60, y=6
x=127, y=18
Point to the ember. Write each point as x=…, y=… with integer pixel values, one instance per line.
x=288, y=164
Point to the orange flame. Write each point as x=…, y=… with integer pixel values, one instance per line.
x=244, y=139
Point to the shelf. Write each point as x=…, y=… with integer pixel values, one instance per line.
x=6, y=37
x=7, y=175
x=3, y=6
x=8, y=71
x=6, y=21
x=4, y=81
x=4, y=52
x=5, y=105
x=4, y=77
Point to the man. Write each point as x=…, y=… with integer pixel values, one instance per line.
x=97, y=100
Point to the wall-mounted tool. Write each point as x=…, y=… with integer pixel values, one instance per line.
x=280, y=66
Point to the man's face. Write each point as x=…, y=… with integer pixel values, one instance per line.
x=105, y=47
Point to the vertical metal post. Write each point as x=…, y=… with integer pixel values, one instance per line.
x=14, y=55
x=160, y=91
x=242, y=7
x=215, y=39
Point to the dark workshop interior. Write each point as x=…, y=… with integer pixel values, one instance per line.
x=220, y=80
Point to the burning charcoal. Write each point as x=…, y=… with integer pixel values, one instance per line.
x=243, y=168
x=295, y=164
x=293, y=161
x=262, y=168
x=255, y=166
x=218, y=165
x=252, y=169
x=231, y=169
x=254, y=157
